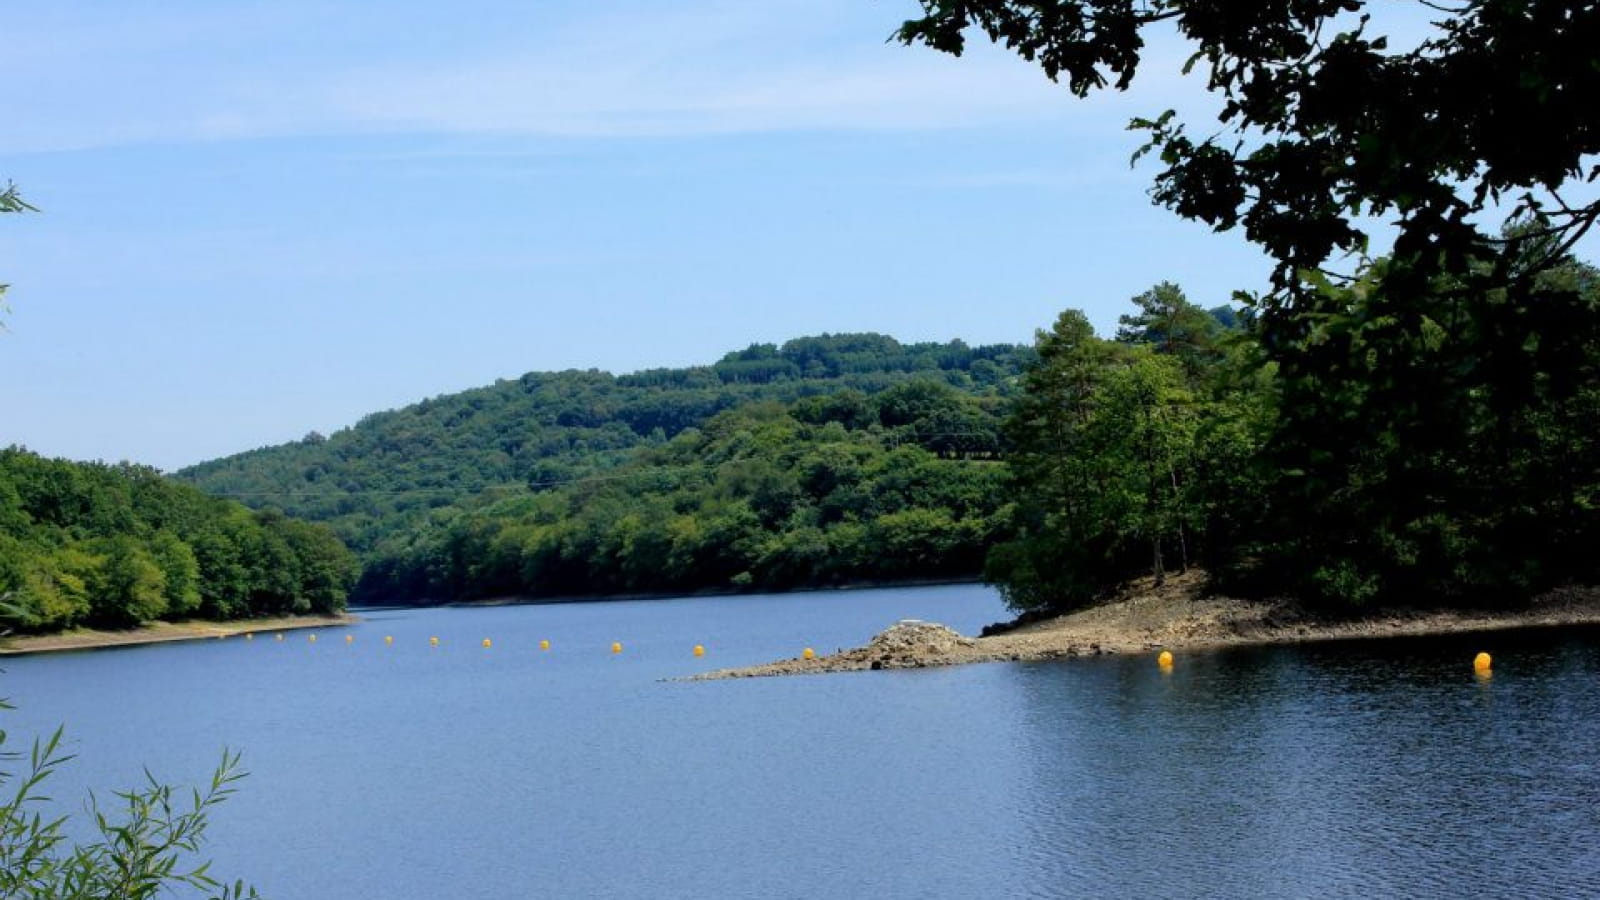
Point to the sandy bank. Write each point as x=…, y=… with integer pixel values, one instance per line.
x=1175, y=615
x=160, y=632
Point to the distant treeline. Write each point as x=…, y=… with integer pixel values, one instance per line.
x=1421, y=440
x=114, y=546
x=827, y=490
x=396, y=475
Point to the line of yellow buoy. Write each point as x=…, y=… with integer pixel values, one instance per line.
x=544, y=644
x=1481, y=664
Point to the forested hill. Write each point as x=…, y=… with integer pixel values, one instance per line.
x=115, y=546
x=396, y=471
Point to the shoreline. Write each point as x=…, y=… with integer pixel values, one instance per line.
x=523, y=600
x=1176, y=615
x=162, y=633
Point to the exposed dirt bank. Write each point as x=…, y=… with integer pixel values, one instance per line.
x=159, y=632
x=1174, y=615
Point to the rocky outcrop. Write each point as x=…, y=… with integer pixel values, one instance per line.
x=1172, y=614
x=909, y=643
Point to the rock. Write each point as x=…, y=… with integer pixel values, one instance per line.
x=914, y=638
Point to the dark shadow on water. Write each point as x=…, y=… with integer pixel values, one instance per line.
x=1382, y=767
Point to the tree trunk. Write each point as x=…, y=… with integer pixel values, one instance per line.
x=1183, y=543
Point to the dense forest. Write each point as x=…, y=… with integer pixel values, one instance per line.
x=1426, y=443
x=1429, y=445
x=1414, y=427
x=114, y=546
x=385, y=478
x=1407, y=428
x=398, y=479
x=826, y=490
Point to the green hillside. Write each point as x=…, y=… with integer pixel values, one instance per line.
x=114, y=546
x=397, y=476
x=763, y=497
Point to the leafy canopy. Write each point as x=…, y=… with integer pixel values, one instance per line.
x=1324, y=122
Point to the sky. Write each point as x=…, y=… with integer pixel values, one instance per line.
x=259, y=219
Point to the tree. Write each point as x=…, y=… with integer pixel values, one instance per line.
x=1423, y=433
x=1058, y=557
x=1146, y=425
x=181, y=571
x=11, y=202
x=130, y=588
x=122, y=545
x=146, y=852
x=1168, y=322
x=1323, y=122
x=1437, y=442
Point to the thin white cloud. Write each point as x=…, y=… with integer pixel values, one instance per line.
x=710, y=68
x=533, y=97
x=78, y=76
x=1036, y=179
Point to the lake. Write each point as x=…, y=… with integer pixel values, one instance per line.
x=411, y=771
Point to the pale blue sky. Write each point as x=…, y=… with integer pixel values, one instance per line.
x=260, y=219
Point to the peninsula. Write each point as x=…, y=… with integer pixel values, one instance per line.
x=1176, y=615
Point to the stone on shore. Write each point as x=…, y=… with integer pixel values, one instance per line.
x=911, y=642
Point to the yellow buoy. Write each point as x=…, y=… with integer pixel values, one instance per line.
x=249, y=636
x=487, y=644
x=388, y=639
x=433, y=642
x=544, y=645
x=1165, y=659
x=311, y=638
x=349, y=639
x=699, y=650
x=279, y=635
x=808, y=653
x=616, y=646
x=1481, y=662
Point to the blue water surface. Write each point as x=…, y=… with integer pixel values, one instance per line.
x=411, y=771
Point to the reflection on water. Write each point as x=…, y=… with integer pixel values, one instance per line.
x=1381, y=768
x=406, y=771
